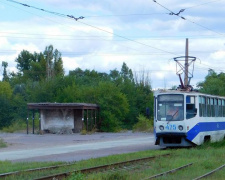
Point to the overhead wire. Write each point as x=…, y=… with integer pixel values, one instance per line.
x=115, y=15
x=100, y=29
x=184, y=18
x=93, y=36
x=66, y=25
x=62, y=15
x=202, y=4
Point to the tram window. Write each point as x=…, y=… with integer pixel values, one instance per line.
x=223, y=105
x=219, y=108
x=216, y=107
x=208, y=108
x=191, y=111
x=204, y=110
x=200, y=105
x=212, y=107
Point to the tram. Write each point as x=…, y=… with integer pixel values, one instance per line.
x=187, y=118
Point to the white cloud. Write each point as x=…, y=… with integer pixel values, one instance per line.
x=91, y=47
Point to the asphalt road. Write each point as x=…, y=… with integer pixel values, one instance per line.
x=75, y=147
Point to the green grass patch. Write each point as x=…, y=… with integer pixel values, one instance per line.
x=2, y=143
x=205, y=158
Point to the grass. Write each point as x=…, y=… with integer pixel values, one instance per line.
x=2, y=143
x=20, y=126
x=205, y=158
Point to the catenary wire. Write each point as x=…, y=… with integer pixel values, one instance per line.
x=182, y=10
x=100, y=29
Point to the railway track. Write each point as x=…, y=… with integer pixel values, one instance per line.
x=4, y=175
x=168, y=172
x=210, y=173
x=100, y=168
x=113, y=166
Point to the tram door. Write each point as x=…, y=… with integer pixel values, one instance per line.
x=191, y=109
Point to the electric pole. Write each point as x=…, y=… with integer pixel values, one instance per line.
x=186, y=65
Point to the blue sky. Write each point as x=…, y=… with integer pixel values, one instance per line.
x=138, y=32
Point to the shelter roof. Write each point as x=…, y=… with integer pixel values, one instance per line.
x=62, y=106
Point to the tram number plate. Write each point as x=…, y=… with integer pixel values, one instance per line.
x=171, y=127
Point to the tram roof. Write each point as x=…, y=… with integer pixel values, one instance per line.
x=163, y=91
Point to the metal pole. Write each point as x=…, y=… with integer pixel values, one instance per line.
x=186, y=65
x=95, y=117
x=92, y=119
x=27, y=121
x=87, y=119
x=82, y=119
x=39, y=120
x=33, y=120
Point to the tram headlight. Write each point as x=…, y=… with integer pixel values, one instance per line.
x=180, y=127
x=161, y=127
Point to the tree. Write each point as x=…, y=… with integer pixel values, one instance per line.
x=213, y=84
x=6, y=108
x=54, y=64
x=5, y=76
x=5, y=89
x=24, y=61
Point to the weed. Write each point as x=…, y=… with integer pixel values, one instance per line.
x=2, y=143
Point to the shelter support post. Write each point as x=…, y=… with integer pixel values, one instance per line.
x=39, y=120
x=33, y=120
x=27, y=121
x=87, y=119
x=82, y=119
x=95, y=119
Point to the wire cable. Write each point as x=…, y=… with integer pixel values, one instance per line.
x=202, y=4
x=182, y=10
x=81, y=17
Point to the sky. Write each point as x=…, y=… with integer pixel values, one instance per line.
x=145, y=34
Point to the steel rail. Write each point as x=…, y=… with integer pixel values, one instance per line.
x=33, y=170
x=210, y=173
x=167, y=172
x=97, y=168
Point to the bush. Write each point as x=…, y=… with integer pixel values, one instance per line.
x=19, y=125
x=144, y=124
x=2, y=144
x=110, y=123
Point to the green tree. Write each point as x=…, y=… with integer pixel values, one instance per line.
x=213, y=84
x=54, y=64
x=5, y=75
x=24, y=61
x=113, y=104
x=6, y=108
x=5, y=89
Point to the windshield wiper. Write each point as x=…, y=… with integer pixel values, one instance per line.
x=173, y=116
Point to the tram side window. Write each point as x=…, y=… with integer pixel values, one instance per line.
x=216, y=107
x=191, y=111
x=219, y=108
x=212, y=107
x=223, y=105
x=203, y=106
x=200, y=105
x=209, y=113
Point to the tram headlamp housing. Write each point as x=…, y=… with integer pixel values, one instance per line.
x=161, y=127
x=180, y=127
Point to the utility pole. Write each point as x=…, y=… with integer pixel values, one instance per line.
x=186, y=65
x=182, y=66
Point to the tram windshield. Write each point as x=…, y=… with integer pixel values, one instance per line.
x=170, y=107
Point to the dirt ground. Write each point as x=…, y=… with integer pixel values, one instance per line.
x=70, y=147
